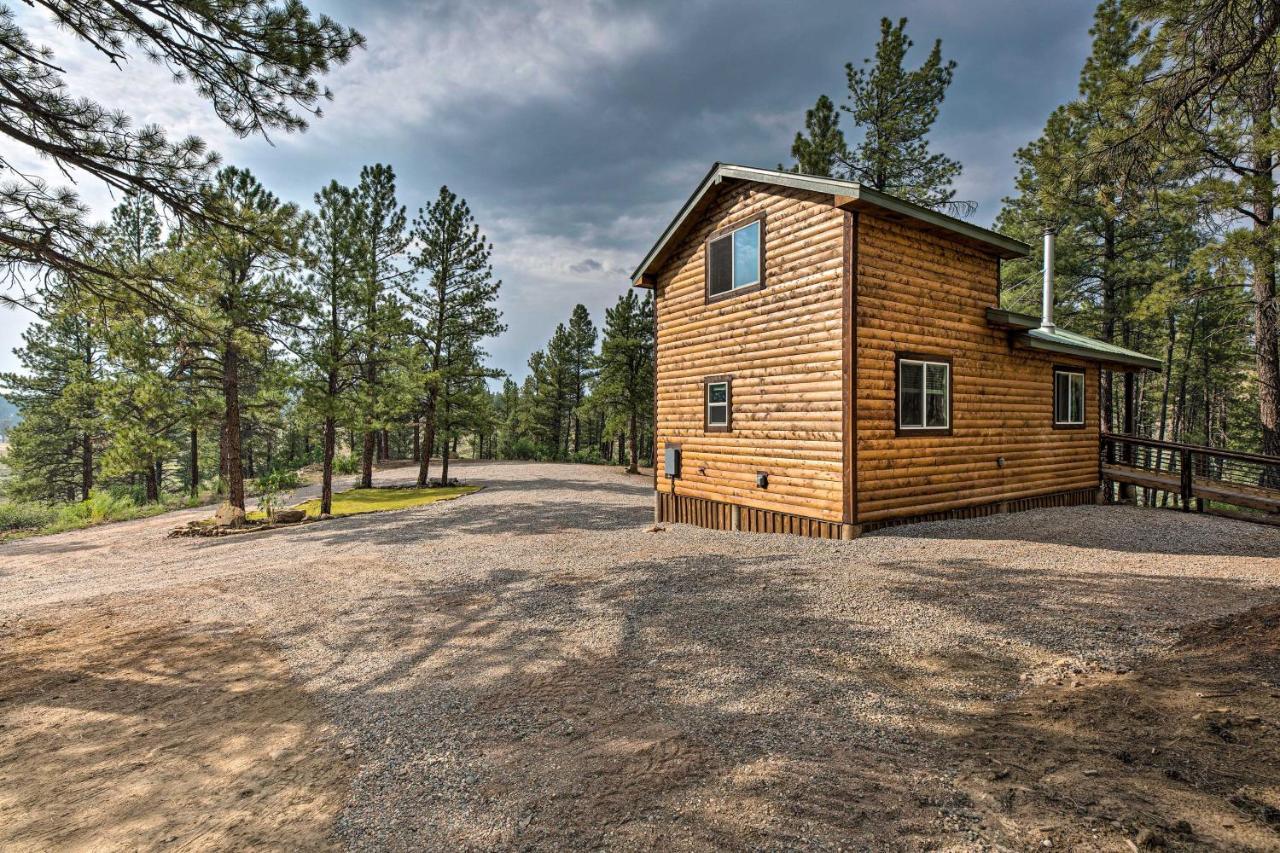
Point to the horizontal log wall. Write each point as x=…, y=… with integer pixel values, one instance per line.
x=782, y=347
x=922, y=292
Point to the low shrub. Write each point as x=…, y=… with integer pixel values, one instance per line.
x=346, y=464
x=101, y=506
x=25, y=515
x=522, y=449
x=588, y=456
x=274, y=489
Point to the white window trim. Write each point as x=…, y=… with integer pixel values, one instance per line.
x=924, y=395
x=733, y=257
x=725, y=404
x=1071, y=374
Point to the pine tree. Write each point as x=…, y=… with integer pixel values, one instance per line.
x=582, y=353
x=895, y=110
x=626, y=365
x=330, y=346
x=1207, y=78
x=53, y=450
x=823, y=152
x=256, y=80
x=454, y=311
x=381, y=271
x=241, y=296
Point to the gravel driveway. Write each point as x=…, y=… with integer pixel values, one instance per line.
x=531, y=666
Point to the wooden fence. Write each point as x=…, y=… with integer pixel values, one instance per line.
x=1193, y=477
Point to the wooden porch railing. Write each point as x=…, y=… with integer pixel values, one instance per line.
x=1213, y=480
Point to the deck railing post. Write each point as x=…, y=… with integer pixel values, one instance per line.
x=1186, y=480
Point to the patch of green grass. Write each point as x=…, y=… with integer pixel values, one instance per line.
x=359, y=501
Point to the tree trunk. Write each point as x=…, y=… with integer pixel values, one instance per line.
x=366, y=459
x=231, y=402
x=428, y=441
x=152, y=486
x=1266, y=326
x=1108, y=318
x=326, y=474
x=193, y=470
x=86, y=466
x=633, y=467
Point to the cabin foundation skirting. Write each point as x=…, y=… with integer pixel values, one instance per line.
x=717, y=515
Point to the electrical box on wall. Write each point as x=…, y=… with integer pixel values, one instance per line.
x=671, y=461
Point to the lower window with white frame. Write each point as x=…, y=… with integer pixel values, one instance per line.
x=924, y=394
x=717, y=403
x=1068, y=397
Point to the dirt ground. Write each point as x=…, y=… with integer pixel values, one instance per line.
x=529, y=667
x=119, y=735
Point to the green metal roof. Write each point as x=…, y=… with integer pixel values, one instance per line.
x=1027, y=328
x=1002, y=246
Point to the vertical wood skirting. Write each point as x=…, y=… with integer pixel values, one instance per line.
x=714, y=515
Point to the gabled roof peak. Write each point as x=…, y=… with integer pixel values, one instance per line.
x=848, y=194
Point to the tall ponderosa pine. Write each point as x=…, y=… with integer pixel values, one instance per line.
x=895, y=109
x=454, y=310
x=822, y=151
x=380, y=270
x=330, y=342
x=142, y=396
x=1210, y=71
x=232, y=51
x=243, y=297
x=626, y=364
x=1111, y=233
x=581, y=353
x=52, y=451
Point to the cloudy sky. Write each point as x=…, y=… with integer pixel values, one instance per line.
x=575, y=130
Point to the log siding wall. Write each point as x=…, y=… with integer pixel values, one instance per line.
x=922, y=292
x=782, y=346
x=812, y=362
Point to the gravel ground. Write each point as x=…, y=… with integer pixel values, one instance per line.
x=531, y=666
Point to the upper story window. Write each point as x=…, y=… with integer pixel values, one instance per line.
x=924, y=394
x=1068, y=397
x=718, y=403
x=735, y=259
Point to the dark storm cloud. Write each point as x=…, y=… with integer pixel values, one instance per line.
x=575, y=130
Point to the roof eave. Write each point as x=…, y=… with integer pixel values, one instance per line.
x=843, y=194
x=1127, y=358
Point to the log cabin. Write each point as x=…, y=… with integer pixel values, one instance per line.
x=831, y=359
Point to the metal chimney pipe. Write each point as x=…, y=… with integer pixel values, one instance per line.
x=1046, y=313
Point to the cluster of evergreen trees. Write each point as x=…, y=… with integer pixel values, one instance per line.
x=265, y=336
x=1160, y=182
x=273, y=337
x=581, y=404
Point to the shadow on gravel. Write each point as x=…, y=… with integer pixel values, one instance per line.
x=1051, y=608
x=123, y=736
x=1127, y=529
x=715, y=712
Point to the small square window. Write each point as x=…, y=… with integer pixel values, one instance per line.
x=1068, y=397
x=924, y=394
x=718, y=404
x=733, y=259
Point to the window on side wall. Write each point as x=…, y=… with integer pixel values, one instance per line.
x=924, y=394
x=717, y=403
x=734, y=260
x=1068, y=397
